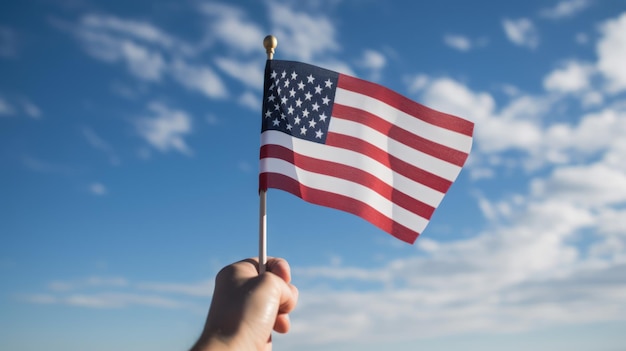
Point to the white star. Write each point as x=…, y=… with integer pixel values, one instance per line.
x=303, y=130
x=298, y=103
x=289, y=126
x=273, y=75
x=276, y=122
x=278, y=90
x=296, y=120
x=271, y=87
x=307, y=96
x=271, y=97
x=300, y=86
x=310, y=78
x=286, y=83
x=290, y=110
x=283, y=100
x=292, y=93
x=294, y=75
x=319, y=134
x=312, y=123
x=329, y=84
x=318, y=89
x=276, y=107
x=305, y=113
x=315, y=106
x=283, y=75
x=325, y=100
x=282, y=115
x=323, y=117
x=268, y=114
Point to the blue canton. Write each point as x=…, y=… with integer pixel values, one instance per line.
x=298, y=99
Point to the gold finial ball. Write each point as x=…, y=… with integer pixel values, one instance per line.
x=270, y=43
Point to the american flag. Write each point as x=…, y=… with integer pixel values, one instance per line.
x=353, y=145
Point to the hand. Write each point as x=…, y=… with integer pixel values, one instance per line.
x=246, y=306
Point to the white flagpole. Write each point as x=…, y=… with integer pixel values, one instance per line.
x=270, y=43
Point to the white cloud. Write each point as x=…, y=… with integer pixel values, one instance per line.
x=611, y=50
x=301, y=35
x=143, y=62
x=88, y=283
x=250, y=100
x=30, y=109
x=8, y=42
x=565, y=8
x=118, y=300
x=229, y=25
x=98, y=189
x=99, y=144
x=5, y=108
x=450, y=96
x=166, y=128
x=373, y=59
x=43, y=166
x=118, y=292
x=458, y=42
x=250, y=73
x=148, y=53
x=19, y=106
x=584, y=185
x=573, y=76
x=199, y=78
x=198, y=289
x=521, y=32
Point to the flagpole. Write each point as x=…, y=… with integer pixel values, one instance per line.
x=270, y=43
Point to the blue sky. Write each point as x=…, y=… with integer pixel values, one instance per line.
x=129, y=135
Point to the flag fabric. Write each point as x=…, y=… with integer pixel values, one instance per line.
x=353, y=145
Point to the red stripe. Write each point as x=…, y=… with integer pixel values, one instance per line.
x=416, y=174
x=351, y=174
x=403, y=136
x=406, y=105
x=340, y=202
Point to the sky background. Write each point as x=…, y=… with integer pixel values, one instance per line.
x=129, y=136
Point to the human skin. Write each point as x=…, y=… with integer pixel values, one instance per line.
x=246, y=306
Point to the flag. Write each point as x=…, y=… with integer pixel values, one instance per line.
x=356, y=146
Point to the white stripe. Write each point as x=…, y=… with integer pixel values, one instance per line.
x=407, y=154
x=354, y=159
x=403, y=120
x=346, y=188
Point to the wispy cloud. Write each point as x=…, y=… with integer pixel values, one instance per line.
x=573, y=76
x=100, y=144
x=98, y=189
x=565, y=9
x=5, y=108
x=458, y=42
x=8, y=42
x=118, y=292
x=230, y=26
x=374, y=62
x=198, y=77
x=44, y=166
x=521, y=32
x=303, y=36
x=463, y=43
x=149, y=53
x=612, y=53
x=19, y=106
x=165, y=128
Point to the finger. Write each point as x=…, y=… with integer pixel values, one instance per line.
x=282, y=324
x=280, y=267
x=288, y=302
